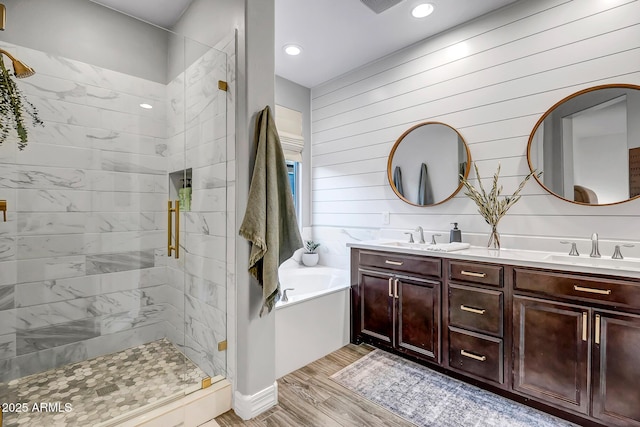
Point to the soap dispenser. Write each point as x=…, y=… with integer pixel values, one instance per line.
x=455, y=235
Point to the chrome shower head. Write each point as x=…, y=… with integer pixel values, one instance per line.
x=20, y=69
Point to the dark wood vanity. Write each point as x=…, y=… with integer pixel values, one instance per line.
x=564, y=342
x=399, y=303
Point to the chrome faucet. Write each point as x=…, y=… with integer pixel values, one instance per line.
x=421, y=231
x=285, y=298
x=595, y=253
x=617, y=254
x=574, y=248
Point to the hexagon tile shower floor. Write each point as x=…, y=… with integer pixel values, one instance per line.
x=99, y=389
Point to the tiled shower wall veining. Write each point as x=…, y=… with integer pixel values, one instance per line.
x=79, y=270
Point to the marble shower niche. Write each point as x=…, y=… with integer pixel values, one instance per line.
x=83, y=264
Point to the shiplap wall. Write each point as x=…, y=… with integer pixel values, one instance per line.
x=491, y=79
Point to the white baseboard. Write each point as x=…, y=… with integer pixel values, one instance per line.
x=248, y=407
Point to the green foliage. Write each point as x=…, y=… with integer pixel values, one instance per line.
x=311, y=246
x=13, y=107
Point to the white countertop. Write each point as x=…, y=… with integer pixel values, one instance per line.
x=627, y=267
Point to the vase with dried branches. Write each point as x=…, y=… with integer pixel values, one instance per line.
x=13, y=107
x=493, y=205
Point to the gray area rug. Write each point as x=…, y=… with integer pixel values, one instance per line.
x=428, y=398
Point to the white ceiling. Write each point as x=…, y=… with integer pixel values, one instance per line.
x=340, y=35
x=164, y=13
x=336, y=35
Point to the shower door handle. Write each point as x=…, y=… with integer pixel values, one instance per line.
x=175, y=211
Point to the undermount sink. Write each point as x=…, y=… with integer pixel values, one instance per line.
x=623, y=264
x=406, y=245
x=433, y=247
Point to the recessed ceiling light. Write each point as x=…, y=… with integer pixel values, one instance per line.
x=292, y=49
x=146, y=106
x=422, y=10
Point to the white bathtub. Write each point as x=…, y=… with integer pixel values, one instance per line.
x=315, y=320
x=310, y=282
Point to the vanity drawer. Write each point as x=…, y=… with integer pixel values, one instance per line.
x=476, y=309
x=566, y=285
x=476, y=273
x=476, y=354
x=414, y=265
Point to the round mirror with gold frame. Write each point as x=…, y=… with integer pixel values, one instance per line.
x=587, y=146
x=426, y=162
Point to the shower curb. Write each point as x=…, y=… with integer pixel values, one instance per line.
x=189, y=410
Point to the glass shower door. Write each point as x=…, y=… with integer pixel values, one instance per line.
x=201, y=185
x=93, y=311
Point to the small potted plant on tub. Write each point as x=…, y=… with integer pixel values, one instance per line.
x=310, y=256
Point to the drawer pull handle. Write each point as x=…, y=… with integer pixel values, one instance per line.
x=390, y=292
x=592, y=290
x=394, y=262
x=395, y=288
x=472, y=310
x=473, y=356
x=473, y=273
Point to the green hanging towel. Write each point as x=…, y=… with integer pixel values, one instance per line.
x=270, y=222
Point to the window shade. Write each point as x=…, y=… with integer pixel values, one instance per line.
x=289, y=125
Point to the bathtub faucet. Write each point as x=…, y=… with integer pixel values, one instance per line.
x=285, y=298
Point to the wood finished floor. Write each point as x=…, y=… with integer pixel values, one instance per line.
x=307, y=397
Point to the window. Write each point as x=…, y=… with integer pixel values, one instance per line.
x=293, y=168
x=289, y=125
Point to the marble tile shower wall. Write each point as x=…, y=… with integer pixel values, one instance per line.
x=201, y=273
x=79, y=267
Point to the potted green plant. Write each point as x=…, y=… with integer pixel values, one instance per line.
x=310, y=256
x=13, y=108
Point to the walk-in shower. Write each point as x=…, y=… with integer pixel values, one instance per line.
x=97, y=321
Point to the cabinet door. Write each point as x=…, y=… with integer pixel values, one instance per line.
x=551, y=351
x=616, y=362
x=376, y=306
x=418, y=324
